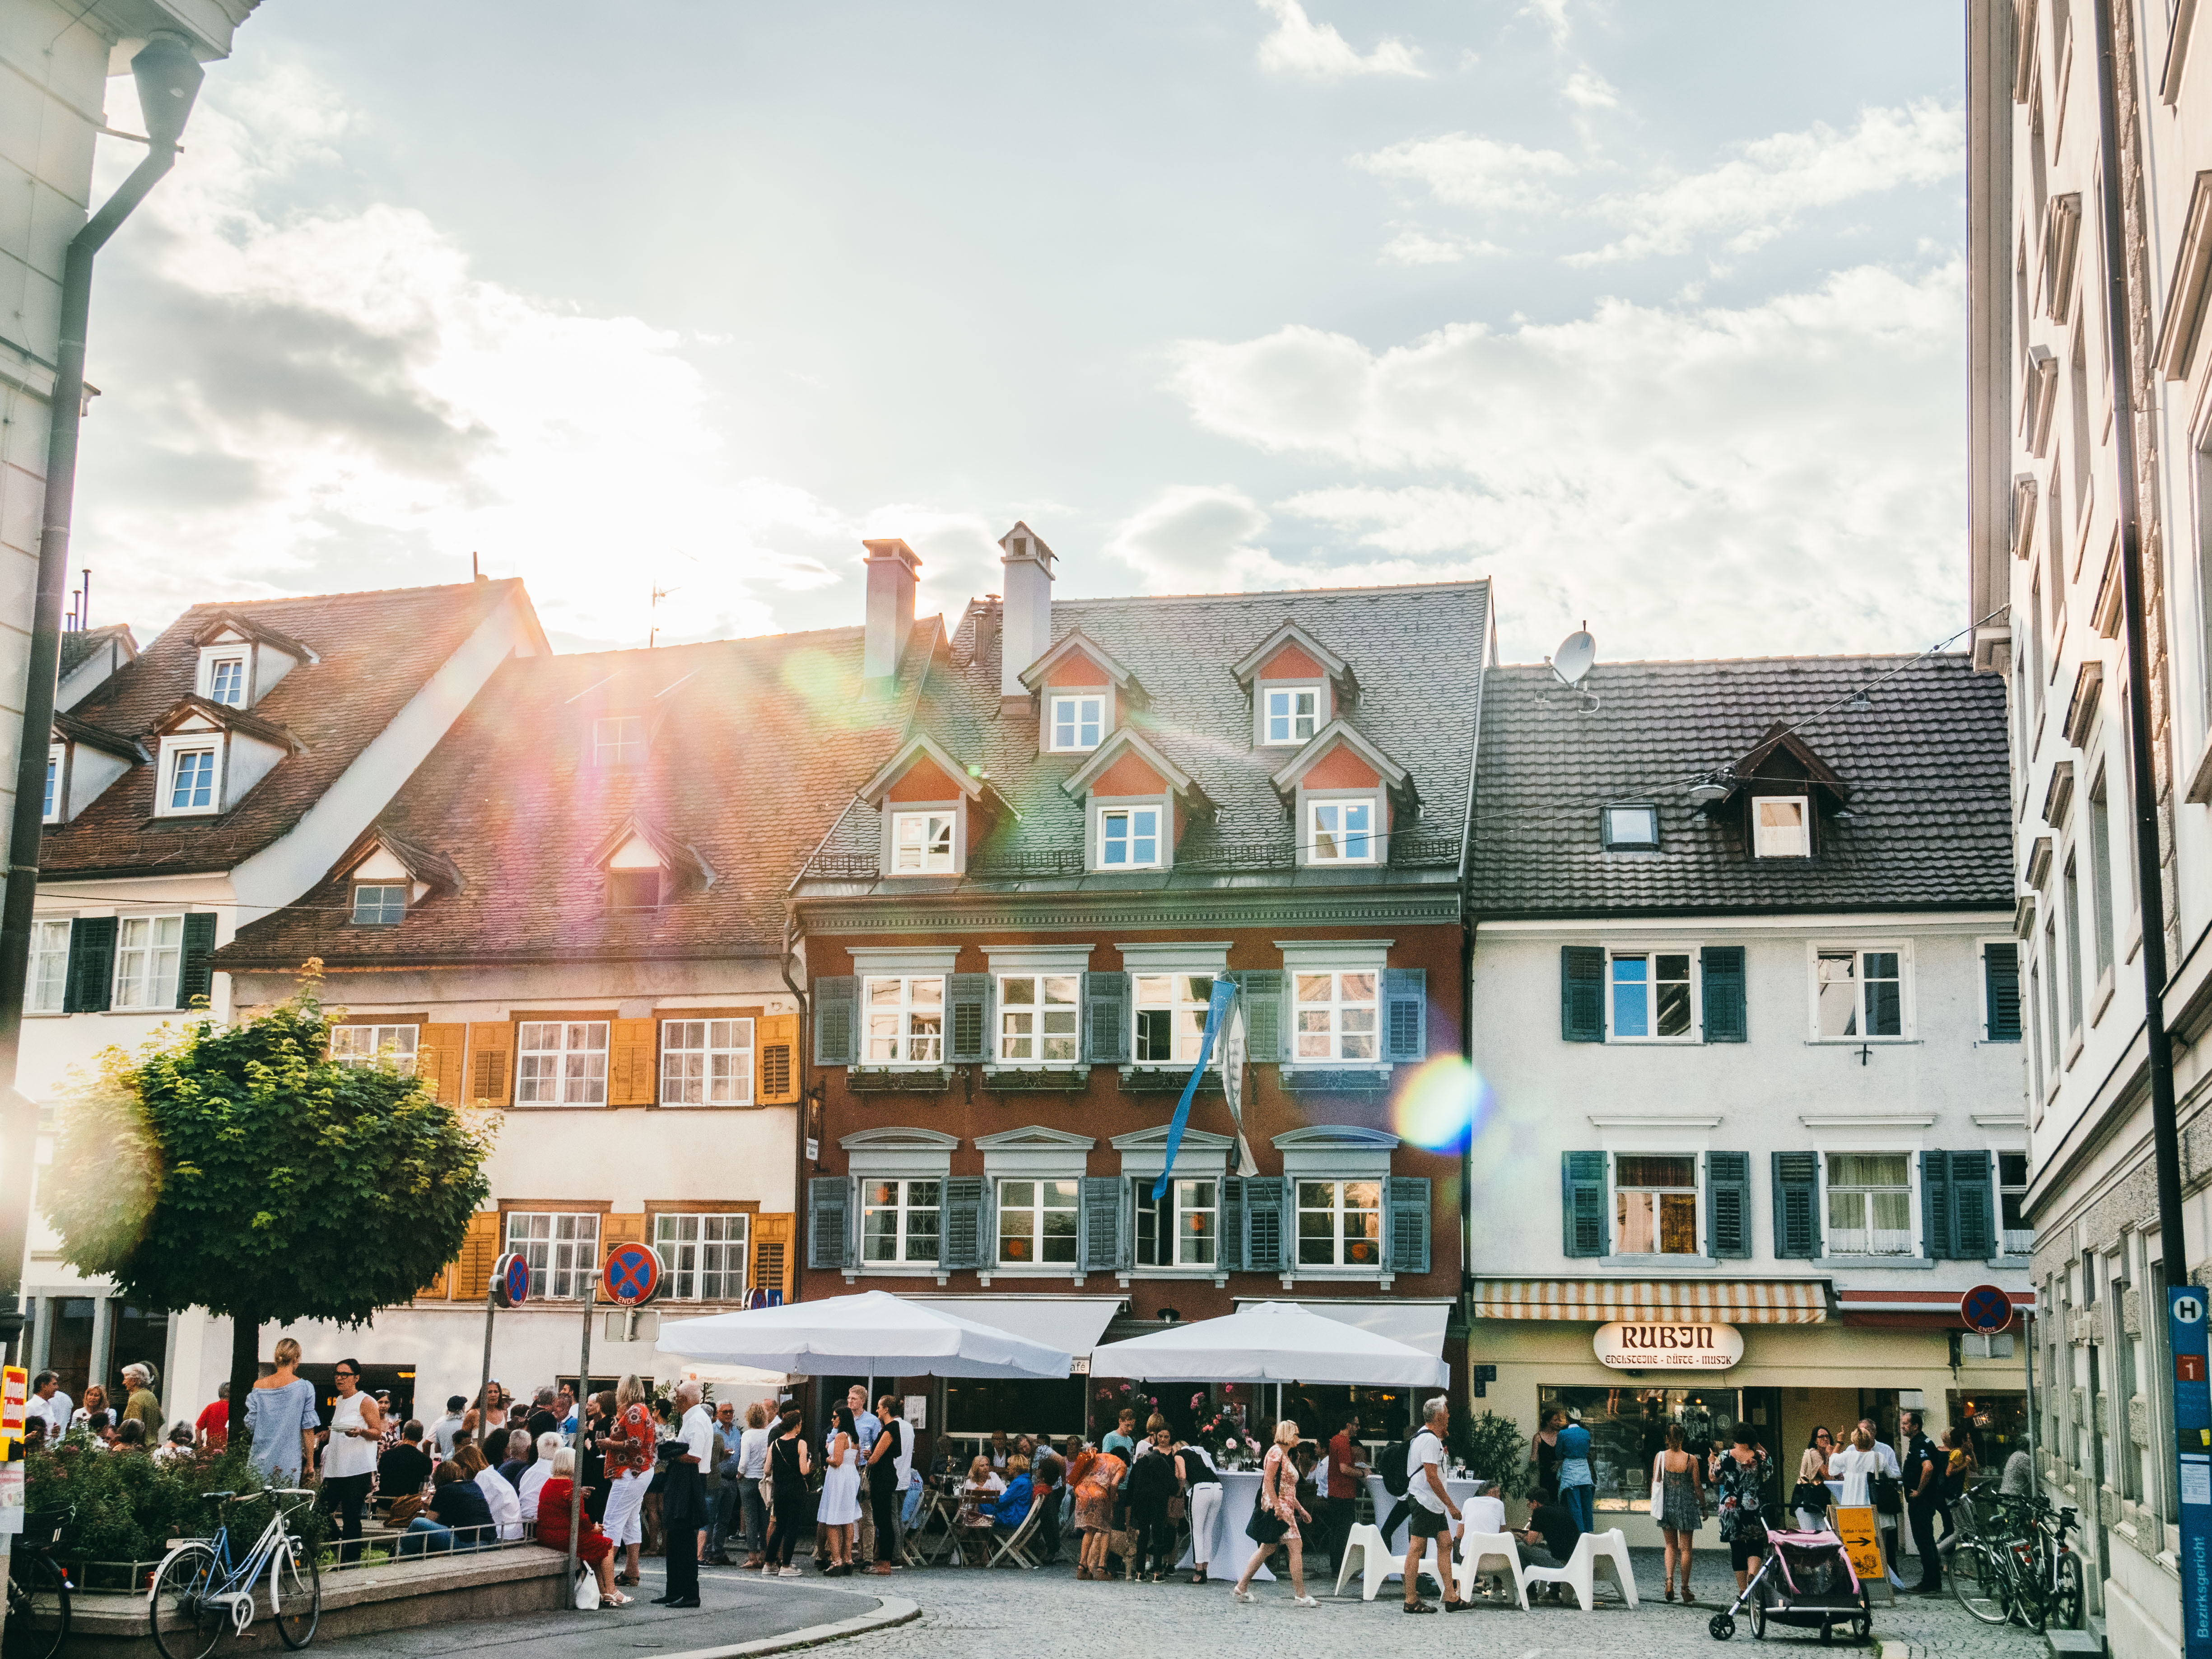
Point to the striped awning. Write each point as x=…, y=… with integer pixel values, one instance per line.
x=1732, y=1301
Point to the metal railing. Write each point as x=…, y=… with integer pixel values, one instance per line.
x=1201, y=852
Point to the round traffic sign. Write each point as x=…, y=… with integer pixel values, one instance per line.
x=632, y=1275
x=510, y=1280
x=1985, y=1309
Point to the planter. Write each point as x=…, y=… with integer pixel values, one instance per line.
x=1167, y=1080
x=1044, y=1082
x=933, y=1080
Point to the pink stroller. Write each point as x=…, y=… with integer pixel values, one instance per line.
x=1805, y=1579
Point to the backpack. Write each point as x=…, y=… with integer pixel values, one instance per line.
x=1393, y=1467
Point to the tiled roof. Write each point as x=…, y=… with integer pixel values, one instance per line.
x=374, y=651
x=1925, y=766
x=755, y=746
x=79, y=643
x=1418, y=652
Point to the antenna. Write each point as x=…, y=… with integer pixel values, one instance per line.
x=1575, y=656
x=653, y=634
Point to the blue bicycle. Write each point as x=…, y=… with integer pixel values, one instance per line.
x=199, y=1591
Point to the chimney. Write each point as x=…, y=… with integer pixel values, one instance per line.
x=1028, y=613
x=891, y=568
x=987, y=627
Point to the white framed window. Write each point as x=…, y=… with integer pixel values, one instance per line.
x=378, y=904
x=1341, y=832
x=1340, y=1224
x=149, y=951
x=899, y=1220
x=1293, y=714
x=618, y=740
x=1078, y=721
x=921, y=843
x=1037, y=1222
x=1869, y=1204
x=1129, y=837
x=374, y=1045
x=227, y=681
x=1651, y=997
x=1655, y=1204
x=2017, y=1236
x=1038, y=1016
x=1781, y=827
x=705, y=1254
x=561, y=1248
x=706, y=1062
x=1859, y=995
x=906, y=1020
x=53, y=808
x=49, y=987
x=1633, y=828
x=1171, y=1017
x=561, y=1062
x=1182, y=1228
x=1336, y=1017
x=191, y=780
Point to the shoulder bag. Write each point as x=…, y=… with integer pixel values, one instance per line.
x=1659, y=1486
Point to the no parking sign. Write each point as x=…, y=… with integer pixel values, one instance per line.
x=632, y=1275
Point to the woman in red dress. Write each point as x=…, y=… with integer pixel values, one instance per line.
x=591, y=1545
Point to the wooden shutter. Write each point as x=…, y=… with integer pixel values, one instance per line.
x=1405, y=1225
x=971, y=1019
x=1406, y=992
x=438, y=1052
x=1727, y=1203
x=633, y=1062
x=1267, y=1224
x=1935, y=1241
x=1974, y=1236
x=625, y=1227
x=776, y=1060
x=828, y=1230
x=1261, y=990
x=833, y=1020
x=1105, y=1018
x=195, y=972
x=491, y=1063
x=438, y=1288
x=1104, y=1238
x=772, y=1254
x=965, y=1224
x=1726, y=1019
x=2001, y=991
x=1582, y=993
x=1229, y=1230
x=480, y=1251
x=1797, y=1206
x=1583, y=1202
x=91, y=966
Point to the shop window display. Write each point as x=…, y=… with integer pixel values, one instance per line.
x=1628, y=1428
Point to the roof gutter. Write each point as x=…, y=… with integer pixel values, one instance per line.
x=1466, y=1307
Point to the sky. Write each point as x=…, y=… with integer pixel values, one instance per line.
x=1653, y=313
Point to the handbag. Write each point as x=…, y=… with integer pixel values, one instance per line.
x=1265, y=1526
x=1888, y=1493
x=587, y=1592
x=404, y=1510
x=1658, y=1486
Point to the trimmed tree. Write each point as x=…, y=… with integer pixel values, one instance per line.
x=238, y=1168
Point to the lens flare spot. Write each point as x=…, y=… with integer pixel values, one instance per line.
x=1440, y=1103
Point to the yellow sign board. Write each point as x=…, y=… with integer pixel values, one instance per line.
x=1861, y=1534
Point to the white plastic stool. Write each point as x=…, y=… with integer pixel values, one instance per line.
x=1477, y=1547
x=1375, y=1562
x=1580, y=1571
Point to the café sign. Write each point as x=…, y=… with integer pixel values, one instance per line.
x=1636, y=1346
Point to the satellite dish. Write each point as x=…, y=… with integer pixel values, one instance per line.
x=1575, y=656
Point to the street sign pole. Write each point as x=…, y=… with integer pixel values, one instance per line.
x=2192, y=1424
x=631, y=1275
x=583, y=1420
x=483, y=1388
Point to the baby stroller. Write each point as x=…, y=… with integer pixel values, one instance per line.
x=1805, y=1579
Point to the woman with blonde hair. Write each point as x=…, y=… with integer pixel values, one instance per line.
x=281, y=1417
x=1681, y=1507
x=629, y=1444
x=1279, y=1498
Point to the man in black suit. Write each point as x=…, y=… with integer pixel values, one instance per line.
x=1923, y=1498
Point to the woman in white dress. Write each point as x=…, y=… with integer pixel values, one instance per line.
x=840, y=1491
x=1853, y=1466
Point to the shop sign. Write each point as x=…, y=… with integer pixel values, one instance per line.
x=1633, y=1346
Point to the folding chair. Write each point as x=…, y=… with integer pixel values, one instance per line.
x=913, y=1548
x=1015, y=1544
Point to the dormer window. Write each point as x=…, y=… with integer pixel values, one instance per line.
x=1129, y=837
x=378, y=904
x=1341, y=831
x=53, y=808
x=618, y=740
x=1293, y=714
x=1078, y=723
x=191, y=780
x=1781, y=827
x=634, y=889
x=1632, y=828
x=921, y=843
x=227, y=681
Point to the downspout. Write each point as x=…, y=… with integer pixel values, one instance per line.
x=1467, y=924
x=793, y=936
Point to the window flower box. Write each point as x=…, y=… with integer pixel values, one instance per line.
x=905, y=1080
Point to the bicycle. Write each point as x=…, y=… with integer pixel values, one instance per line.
x=37, y=1588
x=198, y=1590
x=2030, y=1577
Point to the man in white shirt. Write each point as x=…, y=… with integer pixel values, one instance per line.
x=504, y=1503
x=446, y=1428
x=47, y=1401
x=865, y=1426
x=684, y=1500
x=1433, y=1511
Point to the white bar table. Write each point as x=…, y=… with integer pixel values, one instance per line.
x=1240, y=1495
x=1483, y=1514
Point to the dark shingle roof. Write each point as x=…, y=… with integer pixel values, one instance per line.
x=374, y=651
x=1925, y=766
x=79, y=643
x=755, y=746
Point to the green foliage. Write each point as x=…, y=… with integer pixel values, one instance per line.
x=1493, y=1448
x=238, y=1169
x=127, y=1505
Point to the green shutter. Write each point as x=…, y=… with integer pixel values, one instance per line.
x=1973, y=1237
x=1583, y=1204
x=834, y=1019
x=829, y=1224
x=971, y=1019
x=1267, y=1232
x=91, y=966
x=1232, y=1225
x=1935, y=1241
x=1582, y=993
x=1104, y=1235
x=964, y=1227
x=1728, y=1205
x=1796, y=1206
x=1406, y=992
x=1105, y=1019
x=195, y=972
x=1262, y=990
x=1405, y=1225
x=2000, y=990
x=1726, y=1019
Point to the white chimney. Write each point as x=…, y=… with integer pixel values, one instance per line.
x=1027, y=626
x=892, y=566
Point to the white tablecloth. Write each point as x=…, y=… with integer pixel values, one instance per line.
x=1481, y=1514
x=1231, y=1549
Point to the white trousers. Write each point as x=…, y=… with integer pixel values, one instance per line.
x=1204, y=1523
x=625, y=1500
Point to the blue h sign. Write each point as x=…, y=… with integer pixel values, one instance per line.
x=2185, y=1326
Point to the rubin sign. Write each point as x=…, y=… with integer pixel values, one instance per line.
x=1633, y=1346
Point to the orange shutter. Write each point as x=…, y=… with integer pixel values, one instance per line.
x=618, y=1228
x=491, y=1064
x=471, y=1275
x=632, y=1046
x=438, y=1053
x=438, y=1288
x=772, y=1262
x=776, y=1060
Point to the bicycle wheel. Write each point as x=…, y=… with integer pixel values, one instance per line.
x=37, y=1591
x=1978, y=1580
x=185, y=1623
x=2065, y=1597
x=2027, y=1593
x=295, y=1585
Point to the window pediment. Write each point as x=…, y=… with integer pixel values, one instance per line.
x=1338, y=1150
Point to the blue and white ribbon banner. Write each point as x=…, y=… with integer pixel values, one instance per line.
x=1217, y=1017
x=2185, y=1309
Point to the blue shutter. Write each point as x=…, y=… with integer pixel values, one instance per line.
x=196, y=970
x=1105, y=1019
x=971, y=1019
x=835, y=1012
x=1796, y=1178
x=1406, y=992
x=1231, y=1225
x=1405, y=1225
x=1935, y=1241
x=1726, y=1018
x=829, y=1224
x=1582, y=993
x=1261, y=991
x=1973, y=1235
x=965, y=1225
x=91, y=980
x=2000, y=990
x=1267, y=1229
x=1104, y=1238
x=1728, y=1205
x=1582, y=1204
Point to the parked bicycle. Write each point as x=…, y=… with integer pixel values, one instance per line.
x=200, y=1590
x=2011, y=1562
x=38, y=1589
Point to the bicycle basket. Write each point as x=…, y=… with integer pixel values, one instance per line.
x=42, y=1528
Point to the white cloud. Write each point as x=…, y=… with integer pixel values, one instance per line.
x=1198, y=538
x=1416, y=246
x=1301, y=47
x=1779, y=477
x=1552, y=13
x=1758, y=195
x=1466, y=170
x=1591, y=90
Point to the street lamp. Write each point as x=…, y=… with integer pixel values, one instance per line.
x=169, y=80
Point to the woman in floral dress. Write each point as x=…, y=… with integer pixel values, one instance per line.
x=1739, y=1482
x=1094, y=1512
x=1279, y=1497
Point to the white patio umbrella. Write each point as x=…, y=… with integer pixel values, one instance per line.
x=873, y=1333
x=1271, y=1342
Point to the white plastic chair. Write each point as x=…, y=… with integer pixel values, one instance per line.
x=1610, y=1547
x=1376, y=1563
x=1477, y=1547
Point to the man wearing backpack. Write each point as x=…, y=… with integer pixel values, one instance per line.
x=1433, y=1511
